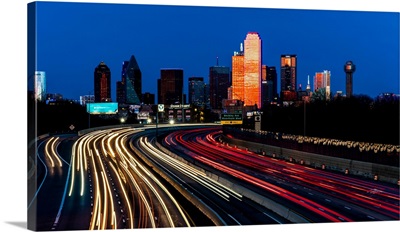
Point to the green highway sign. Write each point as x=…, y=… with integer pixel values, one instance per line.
x=231, y=119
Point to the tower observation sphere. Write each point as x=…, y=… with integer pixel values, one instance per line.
x=349, y=69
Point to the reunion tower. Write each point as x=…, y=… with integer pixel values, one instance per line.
x=349, y=69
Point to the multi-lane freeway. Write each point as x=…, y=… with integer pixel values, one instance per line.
x=222, y=204
x=316, y=194
x=136, y=178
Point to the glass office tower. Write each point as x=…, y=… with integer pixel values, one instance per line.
x=237, y=90
x=288, y=77
x=102, y=83
x=170, y=87
x=40, y=85
x=252, y=69
x=133, y=84
x=196, y=91
x=219, y=84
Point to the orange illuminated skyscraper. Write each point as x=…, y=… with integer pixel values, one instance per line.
x=322, y=80
x=318, y=81
x=252, y=69
x=246, y=71
x=237, y=90
x=263, y=72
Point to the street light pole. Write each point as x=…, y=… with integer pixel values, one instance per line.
x=88, y=108
x=89, y=116
x=304, y=110
x=157, y=124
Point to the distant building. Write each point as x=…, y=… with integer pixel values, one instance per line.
x=170, y=86
x=263, y=72
x=54, y=97
x=148, y=98
x=85, y=99
x=338, y=94
x=133, y=84
x=252, y=69
x=40, y=85
x=302, y=95
x=237, y=90
x=322, y=80
x=288, y=77
x=247, y=72
x=121, y=94
x=232, y=106
x=308, y=88
x=207, y=95
x=387, y=97
x=121, y=89
x=269, y=85
x=102, y=83
x=219, y=84
x=349, y=69
x=196, y=91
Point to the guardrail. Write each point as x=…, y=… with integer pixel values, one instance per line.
x=385, y=173
x=85, y=131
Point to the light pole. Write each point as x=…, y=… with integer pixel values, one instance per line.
x=89, y=117
x=304, y=110
x=88, y=110
x=160, y=108
x=183, y=114
x=88, y=106
x=157, y=124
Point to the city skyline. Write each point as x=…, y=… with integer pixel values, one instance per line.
x=198, y=44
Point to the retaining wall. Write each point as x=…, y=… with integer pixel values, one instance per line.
x=380, y=172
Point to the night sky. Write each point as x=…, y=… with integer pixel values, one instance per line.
x=73, y=38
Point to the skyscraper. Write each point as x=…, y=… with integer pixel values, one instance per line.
x=148, y=98
x=102, y=83
x=133, y=84
x=288, y=77
x=196, y=91
x=219, y=84
x=318, y=81
x=322, y=80
x=121, y=92
x=252, y=69
x=207, y=95
x=40, y=85
x=349, y=69
x=237, y=90
x=308, y=88
x=170, y=87
x=269, y=85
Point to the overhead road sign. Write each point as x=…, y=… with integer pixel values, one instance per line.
x=160, y=107
x=231, y=119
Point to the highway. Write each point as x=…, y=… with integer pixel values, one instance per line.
x=100, y=185
x=228, y=206
x=125, y=178
x=318, y=195
x=50, y=183
x=124, y=192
